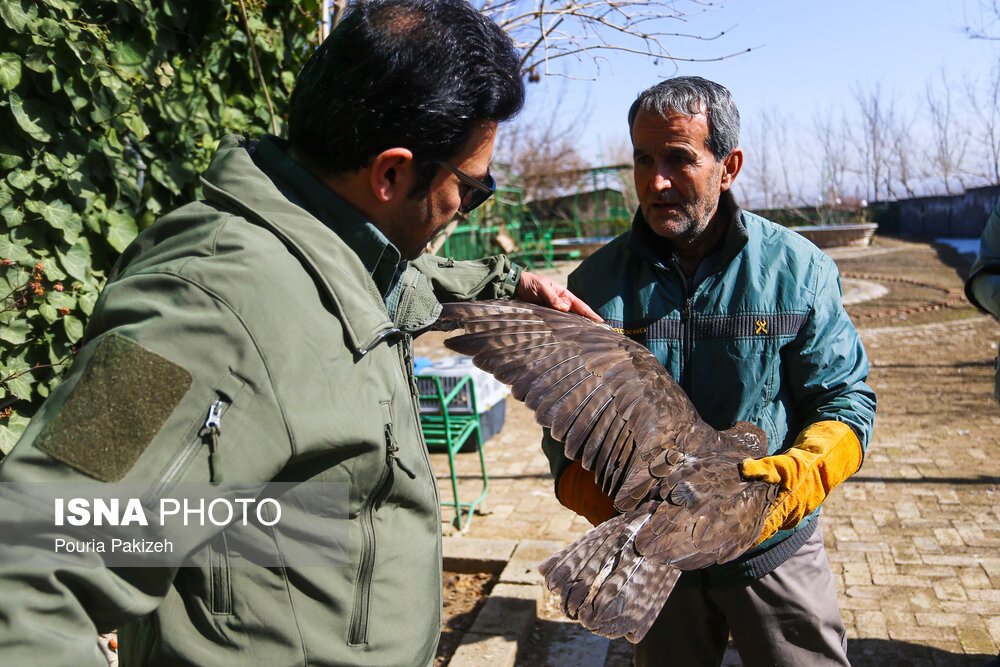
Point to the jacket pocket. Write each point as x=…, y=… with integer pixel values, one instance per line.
x=207, y=432
x=358, y=633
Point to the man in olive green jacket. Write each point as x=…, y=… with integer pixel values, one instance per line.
x=263, y=334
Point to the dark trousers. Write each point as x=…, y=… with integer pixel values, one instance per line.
x=788, y=618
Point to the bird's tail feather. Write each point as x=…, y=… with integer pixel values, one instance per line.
x=606, y=584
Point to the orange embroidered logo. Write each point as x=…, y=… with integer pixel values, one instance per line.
x=761, y=327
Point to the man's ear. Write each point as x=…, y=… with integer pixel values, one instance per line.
x=730, y=168
x=391, y=174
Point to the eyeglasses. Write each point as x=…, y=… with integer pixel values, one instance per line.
x=476, y=191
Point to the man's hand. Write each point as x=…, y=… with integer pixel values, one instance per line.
x=824, y=455
x=534, y=288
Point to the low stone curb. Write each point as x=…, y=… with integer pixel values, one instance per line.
x=508, y=616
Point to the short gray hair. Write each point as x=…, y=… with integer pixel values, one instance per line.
x=690, y=95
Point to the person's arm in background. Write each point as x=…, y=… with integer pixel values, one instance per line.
x=496, y=277
x=983, y=286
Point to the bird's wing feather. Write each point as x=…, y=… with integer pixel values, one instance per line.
x=585, y=382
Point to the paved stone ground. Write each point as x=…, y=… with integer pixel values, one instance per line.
x=914, y=537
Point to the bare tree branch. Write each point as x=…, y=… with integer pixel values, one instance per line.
x=985, y=105
x=548, y=30
x=950, y=139
x=987, y=24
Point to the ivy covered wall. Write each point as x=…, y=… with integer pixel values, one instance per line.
x=109, y=109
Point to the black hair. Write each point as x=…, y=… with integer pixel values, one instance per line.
x=420, y=74
x=691, y=95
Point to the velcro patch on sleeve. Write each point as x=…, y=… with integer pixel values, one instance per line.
x=124, y=397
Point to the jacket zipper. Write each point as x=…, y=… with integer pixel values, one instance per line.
x=358, y=634
x=392, y=331
x=688, y=341
x=208, y=434
x=415, y=407
x=687, y=336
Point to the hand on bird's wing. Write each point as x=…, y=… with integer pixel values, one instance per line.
x=824, y=455
x=535, y=288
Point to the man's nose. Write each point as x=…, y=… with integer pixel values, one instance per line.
x=661, y=181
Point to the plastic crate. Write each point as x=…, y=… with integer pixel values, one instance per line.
x=489, y=391
x=491, y=395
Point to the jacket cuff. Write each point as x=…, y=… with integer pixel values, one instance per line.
x=508, y=288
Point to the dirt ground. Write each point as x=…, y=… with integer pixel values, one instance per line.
x=464, y=594
x=914, y=537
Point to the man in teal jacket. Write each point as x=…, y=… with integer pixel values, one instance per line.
x=747, y=317
x=263, y=334
x=983, y=285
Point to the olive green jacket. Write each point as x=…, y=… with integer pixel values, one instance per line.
x=246, y=298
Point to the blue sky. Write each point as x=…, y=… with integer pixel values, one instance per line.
x=807, y=55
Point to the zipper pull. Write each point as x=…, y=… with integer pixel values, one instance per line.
x=213, y=424
x=390, y=453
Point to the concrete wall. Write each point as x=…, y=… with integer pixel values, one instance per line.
x=962, y=216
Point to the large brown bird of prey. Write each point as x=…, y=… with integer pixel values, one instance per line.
x=674, y=479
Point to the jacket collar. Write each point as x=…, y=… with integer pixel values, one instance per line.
x=234, y=182
x=380, y=258
x=645, y=243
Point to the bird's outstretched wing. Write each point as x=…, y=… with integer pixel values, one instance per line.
x=604, y=396
x=616, y=409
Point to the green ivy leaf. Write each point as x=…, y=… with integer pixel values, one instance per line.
x=20, y=386
x=51, y=269
x=16, y=16
x=87, y=302
x=33, y=117
x=11, y=433
x=128, y=54
x=16, y=332
x=22, y=179
x=49, y=312
x=60, y=299
x=137, y=125
x=76, y=260
x=73, y=327
x=64, y=5
x=50, y=28
x=60, y=215
x=11, y=250
x=9, y=158
x=121, y=230
x=52, y=163
x=10, y=70
x=38, y=59
x=12, y=216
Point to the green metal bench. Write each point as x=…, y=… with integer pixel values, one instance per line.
x=448, y=430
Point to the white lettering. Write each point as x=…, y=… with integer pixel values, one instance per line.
x=244, y=502
x=277, y=512
x=174, y=511
x=211, y=512
x=79, y=509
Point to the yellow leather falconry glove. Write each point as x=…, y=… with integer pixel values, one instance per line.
x=578, y=490
x=824, y=455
